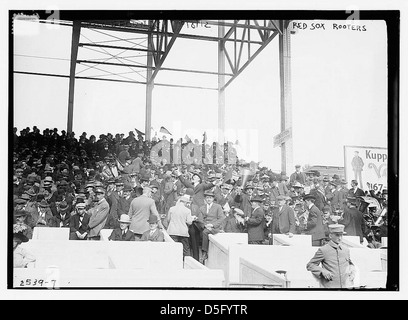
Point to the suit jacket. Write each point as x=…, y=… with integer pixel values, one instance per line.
x=99, y=215
x=358, y=193
x=244, y=202
x=231, y=225
x=321, y=200
x=315, y=225
x=284, y=220
x=139, y=211
x=335, y=259
x=215, y=216
x=301, y=177
x=56, y=221
x=256, y=225
x=74, y=225
x=198, y=197
x=158, y=236
x=353, y=222
x=116, y=235
x=35, y=215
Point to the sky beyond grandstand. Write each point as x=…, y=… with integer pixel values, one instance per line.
x=339, y=92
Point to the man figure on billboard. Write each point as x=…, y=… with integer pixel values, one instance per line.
x=357, y=165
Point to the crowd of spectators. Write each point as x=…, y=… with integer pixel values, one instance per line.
x=89, y=184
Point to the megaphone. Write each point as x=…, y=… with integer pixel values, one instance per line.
x=245, y=173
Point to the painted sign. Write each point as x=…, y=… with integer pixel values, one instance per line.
x=282, y=137
x=367, y=165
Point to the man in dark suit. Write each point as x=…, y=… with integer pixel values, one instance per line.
x=122, y=233
x=244, y=199
x=78, y=223
x=353, y=220
x=298, y=176
x=213, y=216
x=314, y=224
x=154, y=233
x=283, y=220
x=355, y=191
x=255, y=222
x=63, y=217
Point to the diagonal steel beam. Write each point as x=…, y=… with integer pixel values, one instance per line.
x=265, y=43
x=177, y=26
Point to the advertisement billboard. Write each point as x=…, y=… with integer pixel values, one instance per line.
x=367, y=165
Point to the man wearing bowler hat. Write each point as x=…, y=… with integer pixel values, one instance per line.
x=255, y=222
x=213, y=216
x=314, y=225
x=331, y=263
x=122, y=233
x=154, y=233
x=283, y=220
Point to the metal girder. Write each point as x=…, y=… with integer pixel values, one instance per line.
x=147, y=67
x=176, y=27
x=264, y=34
x=114, y=47
x=112, y=80
x=76, y=32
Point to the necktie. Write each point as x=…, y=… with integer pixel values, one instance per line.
x=123, y=234
x=80, y=220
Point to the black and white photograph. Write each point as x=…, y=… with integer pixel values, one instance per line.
x=204, y=153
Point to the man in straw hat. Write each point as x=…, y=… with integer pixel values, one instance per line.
x=122, y=233
x=331, y=263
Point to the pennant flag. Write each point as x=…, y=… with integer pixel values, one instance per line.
x=139, y=133
x=187, y=138
x=228, y=176
x=164, y=130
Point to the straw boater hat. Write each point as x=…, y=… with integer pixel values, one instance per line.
x=124, y=218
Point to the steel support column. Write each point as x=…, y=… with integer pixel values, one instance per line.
x=149, y=85
x=76, y=32
x=221, y=83
x=285, y=94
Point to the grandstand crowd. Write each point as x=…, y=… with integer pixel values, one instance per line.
x=88, y=184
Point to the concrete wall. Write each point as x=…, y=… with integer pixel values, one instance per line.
x=292, y=259
x=106, y=254
x=295, y=240
x=48, y=233
x=114, y=278
x=250, y=274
